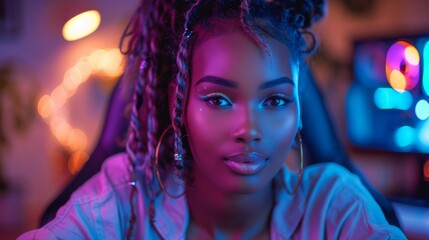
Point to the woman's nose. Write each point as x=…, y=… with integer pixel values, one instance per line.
x=247, y=128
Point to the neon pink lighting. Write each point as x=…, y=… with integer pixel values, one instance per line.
x=402, y=66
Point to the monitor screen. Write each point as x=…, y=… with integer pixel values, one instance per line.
x=387, y=106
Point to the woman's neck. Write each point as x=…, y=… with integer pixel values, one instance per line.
x=216, y=214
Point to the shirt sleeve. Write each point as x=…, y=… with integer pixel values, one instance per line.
x=73, y=221
x=96, y=210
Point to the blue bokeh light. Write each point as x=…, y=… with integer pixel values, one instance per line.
x=423, y=136
x=425, y=78
x=405, y=136
x=388, y=98
x=422, y=109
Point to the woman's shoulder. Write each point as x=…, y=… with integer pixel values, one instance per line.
x=329, y=172
x=339, y=200
x=105, y=190
x=94, y=209
x=111, y=177
x=331, y=182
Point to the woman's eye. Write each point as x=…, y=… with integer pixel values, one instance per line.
x=217, y=100
x=275, y=101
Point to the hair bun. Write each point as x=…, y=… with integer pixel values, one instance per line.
x=302, y=13
x=311, y=10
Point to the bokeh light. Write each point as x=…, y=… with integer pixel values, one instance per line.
x=397, y=80
x=45, y=106
x=81, y=25
x=422, y=109
x=405, y=136
x=72, y=78
x=112, y=63
x=423, y=136
x=76, y=161
x=402, y=66
x=425, y=78
x=61, y=129
x=109, y=61
x=59, y=96
x=52, y=108
x=96, y=59
x=412, y=55
x=84, y=68
x=388, y=98
x=76, y=139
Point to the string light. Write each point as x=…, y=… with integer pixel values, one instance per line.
x=106, y=62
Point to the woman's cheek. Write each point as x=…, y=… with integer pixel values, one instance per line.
x=282, y=128
x=204, y=125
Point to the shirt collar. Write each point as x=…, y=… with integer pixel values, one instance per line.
x=172, y=214
x=289, y=207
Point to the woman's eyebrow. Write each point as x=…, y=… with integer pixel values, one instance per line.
x=217, y=80
x=232, y=84
x=275, y=82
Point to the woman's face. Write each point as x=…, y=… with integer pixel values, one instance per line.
x=242, y=111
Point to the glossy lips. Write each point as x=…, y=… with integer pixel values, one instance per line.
x=246, y=163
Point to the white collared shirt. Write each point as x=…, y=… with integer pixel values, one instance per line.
x=331, y=203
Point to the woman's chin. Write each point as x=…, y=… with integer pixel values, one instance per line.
x=245, y=185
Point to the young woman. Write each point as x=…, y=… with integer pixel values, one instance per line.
x=216, y=111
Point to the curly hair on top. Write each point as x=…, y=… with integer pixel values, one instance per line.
x=158, y=42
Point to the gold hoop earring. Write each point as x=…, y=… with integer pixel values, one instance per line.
x=158, y=175
x=301, y=164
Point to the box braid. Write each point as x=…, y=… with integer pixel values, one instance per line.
x=144, y=47
x=160, y=39
x=182, y=61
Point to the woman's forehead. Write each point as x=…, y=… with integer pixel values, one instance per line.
x=234, y=55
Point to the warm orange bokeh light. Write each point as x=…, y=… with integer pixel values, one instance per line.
x=84, y=68
x=106, y=62
x=59, y=96
x=61, y=129
x=96, y=59
x=45, y=106
x=76, y=139
x=397, y=80
x=76, y=161
x=112, y=63
x=81, y=25
x=412, y=55
x=109, y=61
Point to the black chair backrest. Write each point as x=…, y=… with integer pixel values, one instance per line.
x=323, y=144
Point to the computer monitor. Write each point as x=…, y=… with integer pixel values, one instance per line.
x=387, y=106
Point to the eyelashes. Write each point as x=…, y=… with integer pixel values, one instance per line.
x=220, y=100
x=217, y=100
x=277, y=100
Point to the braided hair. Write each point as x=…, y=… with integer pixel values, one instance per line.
x=158, y=43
